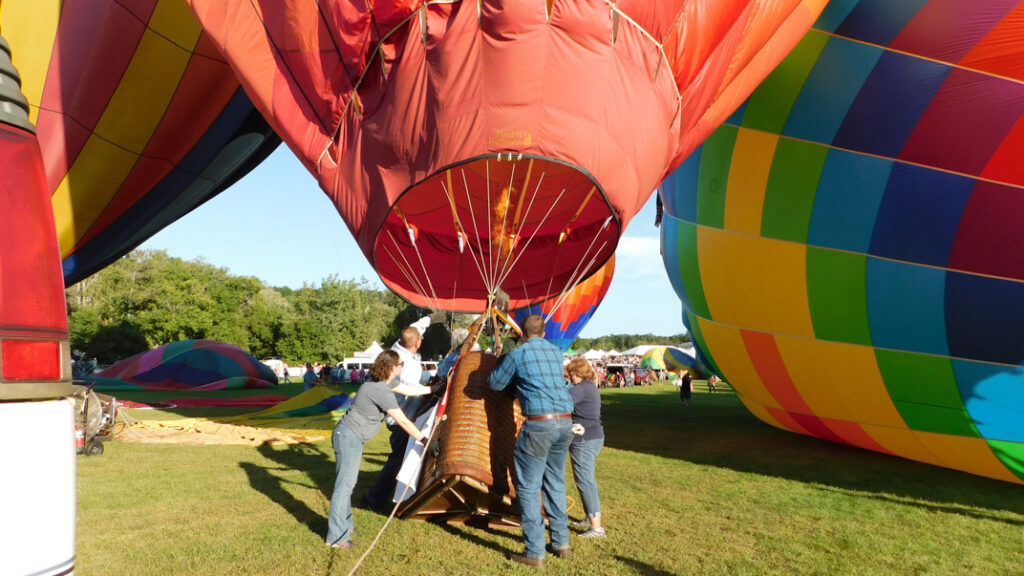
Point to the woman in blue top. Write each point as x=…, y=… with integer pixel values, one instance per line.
x=356, y=427
x=586, y=444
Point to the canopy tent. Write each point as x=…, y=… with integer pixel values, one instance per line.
x=366, y=357
x=645, y=348
x=639, y=350
x=370, y=352
x=593, y=354
x=612, y=352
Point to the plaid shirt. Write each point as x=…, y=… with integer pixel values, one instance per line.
x=535, y=369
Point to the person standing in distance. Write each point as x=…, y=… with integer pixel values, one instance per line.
x=309, y=378
x=534, y=370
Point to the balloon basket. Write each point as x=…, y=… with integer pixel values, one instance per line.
x=471, y=479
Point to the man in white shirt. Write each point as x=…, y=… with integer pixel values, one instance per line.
x=381, y=494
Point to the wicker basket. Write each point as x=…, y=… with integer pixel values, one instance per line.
x=473, y=475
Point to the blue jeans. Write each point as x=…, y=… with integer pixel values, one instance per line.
x=540, y=453
x=584, y=466
x=382, y=493
x=348, y=453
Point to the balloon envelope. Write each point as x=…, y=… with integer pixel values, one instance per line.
x=668, y=358
x=567, y=315
x=472, y=146
x=848, y=246
x=187, y=365
x=139, y=119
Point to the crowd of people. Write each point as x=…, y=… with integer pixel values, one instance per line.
x=625, y=371
x=562, y=409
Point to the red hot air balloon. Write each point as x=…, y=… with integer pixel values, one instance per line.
x=478, y=146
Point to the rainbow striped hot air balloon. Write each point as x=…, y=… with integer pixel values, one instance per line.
x=566, y=315
x=187, y=365
x=668, y=358
x=849, y=247
x=139, y=119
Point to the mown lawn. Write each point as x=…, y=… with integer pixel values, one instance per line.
x=698, y=489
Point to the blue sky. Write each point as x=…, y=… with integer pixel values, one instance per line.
x=277, y=225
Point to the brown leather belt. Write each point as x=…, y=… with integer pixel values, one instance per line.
x=549, y=416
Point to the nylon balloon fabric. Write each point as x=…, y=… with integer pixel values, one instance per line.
x=848, y=247
x=478, y=146
x=187, y=365
x=567, y=314
x=668, y=358
x=139, y=119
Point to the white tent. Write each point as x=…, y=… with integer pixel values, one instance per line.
x=593, y=354
x=370, y=352
x=612, y=352
x=640, y=350
x=364, y=358
x=645, y=348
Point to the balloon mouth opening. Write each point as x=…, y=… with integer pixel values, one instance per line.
x=528, y=226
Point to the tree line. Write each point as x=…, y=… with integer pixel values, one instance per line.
x=622, y=342
x=148, y=298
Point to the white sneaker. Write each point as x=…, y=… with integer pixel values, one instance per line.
x=581, y=525
x=593, y=532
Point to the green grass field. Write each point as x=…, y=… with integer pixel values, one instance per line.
x=698, y=489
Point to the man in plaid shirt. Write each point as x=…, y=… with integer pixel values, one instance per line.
x=534, y=369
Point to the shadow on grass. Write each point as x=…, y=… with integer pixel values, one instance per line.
x=642, y=567
x=274, y=483
x=316, y=463
x=717, y=430
x=467, y=533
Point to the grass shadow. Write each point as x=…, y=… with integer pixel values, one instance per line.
x=642, y=567
x=467, y=533
x=717, y=430
x=272, y=481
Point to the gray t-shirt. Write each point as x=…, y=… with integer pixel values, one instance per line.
x=372, y=400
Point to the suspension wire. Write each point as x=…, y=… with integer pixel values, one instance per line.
x=419, y=256
x=534, y=235
x=479, y=264
x=565, y=294
x=405, y=272
x=476, y=229
x=408, y=270
x=506, y=269
x=586, y=253
x=490, y=252
x=409, y=273
x=504, y=219
x=519, y=205
x=426, y=274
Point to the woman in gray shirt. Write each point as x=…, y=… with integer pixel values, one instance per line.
x=374, y=399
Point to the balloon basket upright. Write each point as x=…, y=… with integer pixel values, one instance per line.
x=471, y=479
